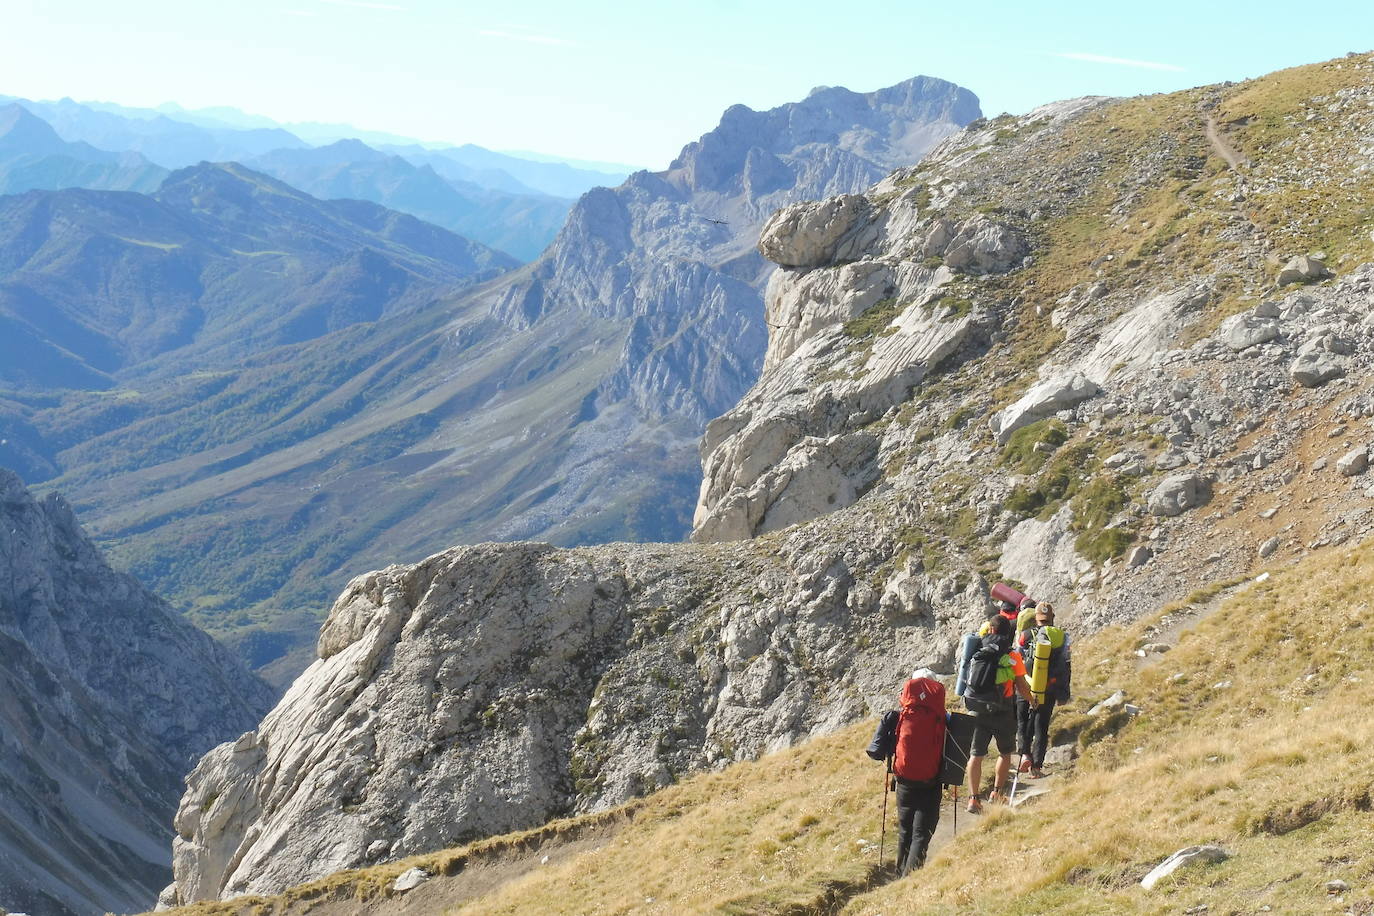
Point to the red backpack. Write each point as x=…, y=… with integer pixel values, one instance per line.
x=920, y=731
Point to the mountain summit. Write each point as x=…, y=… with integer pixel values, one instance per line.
x=32, y=155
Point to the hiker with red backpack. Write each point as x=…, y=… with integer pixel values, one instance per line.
x=916, y=768
x=996, y=673
x=913, y=742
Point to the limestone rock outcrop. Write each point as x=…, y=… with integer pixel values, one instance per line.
x=817, y=234
x=107, y=697
x=489, y=688
x=1043, y=399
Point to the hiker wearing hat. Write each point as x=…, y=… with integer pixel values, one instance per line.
x=1033, y=722
x=996, y=673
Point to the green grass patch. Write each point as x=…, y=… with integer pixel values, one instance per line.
x=1021, y=452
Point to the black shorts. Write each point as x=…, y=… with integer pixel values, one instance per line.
x=1000, y=724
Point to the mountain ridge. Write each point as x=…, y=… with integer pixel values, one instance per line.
x=1055, y=352
x=594, y=369
x=32, y=155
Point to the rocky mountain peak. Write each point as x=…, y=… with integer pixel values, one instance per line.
x=888, y=127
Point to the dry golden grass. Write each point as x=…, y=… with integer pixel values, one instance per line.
x=1275, y=767
x=773, y=836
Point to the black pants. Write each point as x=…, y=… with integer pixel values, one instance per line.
x=1033, y=730
x=918, y=811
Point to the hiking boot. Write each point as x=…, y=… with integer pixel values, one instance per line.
x=1038, y=773
x=975, y=805
x=998, y=796
x=1025, y=766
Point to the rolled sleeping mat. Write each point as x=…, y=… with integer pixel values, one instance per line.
x=966, y=649
x=1004, y=592
x=1040, y=671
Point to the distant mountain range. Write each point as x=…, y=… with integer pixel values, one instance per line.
x=519, y=222
x=513, y=204
x=218, y=267
x=173, y=137
x=249, y=469
x=32, y=155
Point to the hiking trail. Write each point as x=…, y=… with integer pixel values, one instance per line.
x=1223, y=147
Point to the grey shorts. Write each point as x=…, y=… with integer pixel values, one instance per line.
x=999, y=724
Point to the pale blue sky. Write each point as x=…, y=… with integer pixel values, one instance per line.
x=631, y=82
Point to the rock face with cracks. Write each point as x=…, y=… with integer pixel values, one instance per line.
x=491, y=687
x=107, y=696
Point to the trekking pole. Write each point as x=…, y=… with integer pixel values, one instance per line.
x=882, y=841
x=955, y=790
x=1016, y=780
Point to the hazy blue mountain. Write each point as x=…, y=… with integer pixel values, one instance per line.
x=474, y=163
x=521, y=224
x=32, y=155
x=591, y=165
x=173, y=136
x=219, y=264
x=167, y=142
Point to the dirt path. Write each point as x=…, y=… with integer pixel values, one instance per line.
x=1222, y=146
x=1170, y=629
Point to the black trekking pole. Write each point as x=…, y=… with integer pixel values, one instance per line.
x=882, y=841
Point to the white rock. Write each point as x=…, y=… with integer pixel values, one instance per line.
x=816, y=233
x=1042, y=400
x=1267, y=549
x=411, y=879
x=1313, y=370
x=1042, y=555
x=1353, y=463
x=1178, y=493
x=1190, y=856
x=1114, y=701
x=1241, y=332
x=1302, y=269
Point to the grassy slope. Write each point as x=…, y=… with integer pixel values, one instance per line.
x=1275, y=768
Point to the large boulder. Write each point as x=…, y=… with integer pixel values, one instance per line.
x=979, y=245
x=1178, y=493
x=1043, y=399
x=818, y=233
x=1302, y=269
x=1241, y=332
x=1312, y=370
